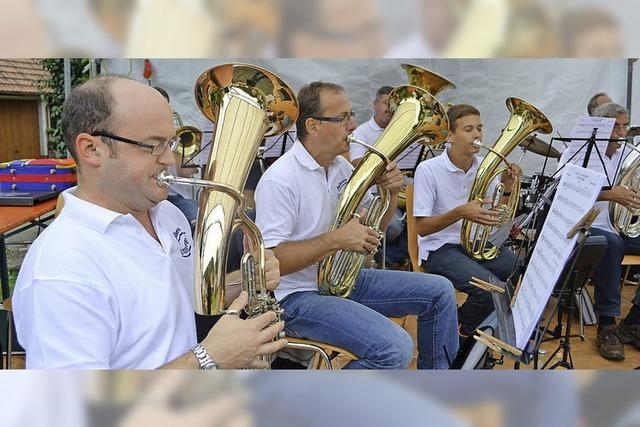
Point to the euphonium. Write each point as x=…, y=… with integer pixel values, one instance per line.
x=524, y=119
x=246, y=103
x=416, y=114
x=625, y=221
x=190, y=141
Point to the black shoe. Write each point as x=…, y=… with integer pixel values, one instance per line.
x=609, y=345
x=629, y=334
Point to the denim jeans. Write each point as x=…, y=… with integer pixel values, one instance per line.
x=606, y=287
x=452, y=262
x=188, y=207
x=358, y=324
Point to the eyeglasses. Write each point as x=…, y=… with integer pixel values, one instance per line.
x=342, y=119
x=156, y=149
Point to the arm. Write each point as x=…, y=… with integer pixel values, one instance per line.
x=234, y=343
x=353, y=236
x=622, y=195
x=392, y=180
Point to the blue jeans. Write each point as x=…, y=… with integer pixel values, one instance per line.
x=452, y=262
x=606, y=288
x=188, y=207
x=358, y=324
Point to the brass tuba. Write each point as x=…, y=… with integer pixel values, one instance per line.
x=624, y=220
x=246, y=103
x=524, y=119
x=416, y=115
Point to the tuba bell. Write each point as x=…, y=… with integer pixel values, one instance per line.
x=524, y=119
x=246, y=103
x=416, y=115
x=625, y=221
x=190, y=140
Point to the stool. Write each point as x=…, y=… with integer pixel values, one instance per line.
x=628, y=261
x=324, y=353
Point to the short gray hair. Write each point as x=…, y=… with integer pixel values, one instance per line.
x=611, y=110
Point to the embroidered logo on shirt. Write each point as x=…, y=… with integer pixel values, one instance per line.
x=184, y=242
x=340, y=187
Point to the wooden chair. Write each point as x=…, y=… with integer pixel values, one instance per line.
x=59, y=205
x=628, y=261
x=412, y=234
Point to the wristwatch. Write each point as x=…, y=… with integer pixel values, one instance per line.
x=204, y=360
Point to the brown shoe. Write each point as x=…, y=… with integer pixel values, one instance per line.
x=629, y=334
x=609, y=345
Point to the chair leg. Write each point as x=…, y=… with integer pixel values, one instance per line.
x=9, y=338
x=317, y=350
x=624, y=276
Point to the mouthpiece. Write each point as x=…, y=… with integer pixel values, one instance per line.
x=164, y=178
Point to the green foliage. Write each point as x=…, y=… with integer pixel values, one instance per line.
x=52, y=91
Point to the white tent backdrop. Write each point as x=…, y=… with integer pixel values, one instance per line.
x=559, y=87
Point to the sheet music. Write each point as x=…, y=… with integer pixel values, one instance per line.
x=584, y=129
x=576, y=194
x=408, y=159
x=274, y=144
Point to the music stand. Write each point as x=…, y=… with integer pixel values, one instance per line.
x=505, y=341
x=584, y=266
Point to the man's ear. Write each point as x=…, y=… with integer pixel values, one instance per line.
x=89, y=149
x=310, y=125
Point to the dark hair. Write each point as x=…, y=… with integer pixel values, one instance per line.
x=592, y=105
x=310, y=105
x=162, y=92
x=459, y=111
x=384, y=90
x=87, y=109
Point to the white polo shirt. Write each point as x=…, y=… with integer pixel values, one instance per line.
x=97, y=291
x=367, y=132
x=440, y=186
x=296, y=200
x=602, y=221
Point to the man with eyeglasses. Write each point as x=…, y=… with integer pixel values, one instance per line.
x=296, y=202
x=109, y=284
x=609, y=337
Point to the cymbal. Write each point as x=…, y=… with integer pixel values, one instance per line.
x=538, y=146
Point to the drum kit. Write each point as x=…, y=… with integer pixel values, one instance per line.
x=533, y=186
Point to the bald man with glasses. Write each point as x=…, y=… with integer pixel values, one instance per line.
x=109, y=285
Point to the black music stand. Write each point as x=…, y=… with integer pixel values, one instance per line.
x=584, y=265
x=504, y=342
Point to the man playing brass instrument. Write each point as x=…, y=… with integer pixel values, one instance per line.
x=110, y=283
x=609, y=338
x=441, y=194
x=296, y=201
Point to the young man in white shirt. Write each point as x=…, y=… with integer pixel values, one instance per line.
x=296, y=202
x=442, y=186
x=109, y=284
x=609, y=338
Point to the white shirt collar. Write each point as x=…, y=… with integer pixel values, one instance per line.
x=374, y=125
x=93, y=216
x=451, y=166
x=304, y=158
